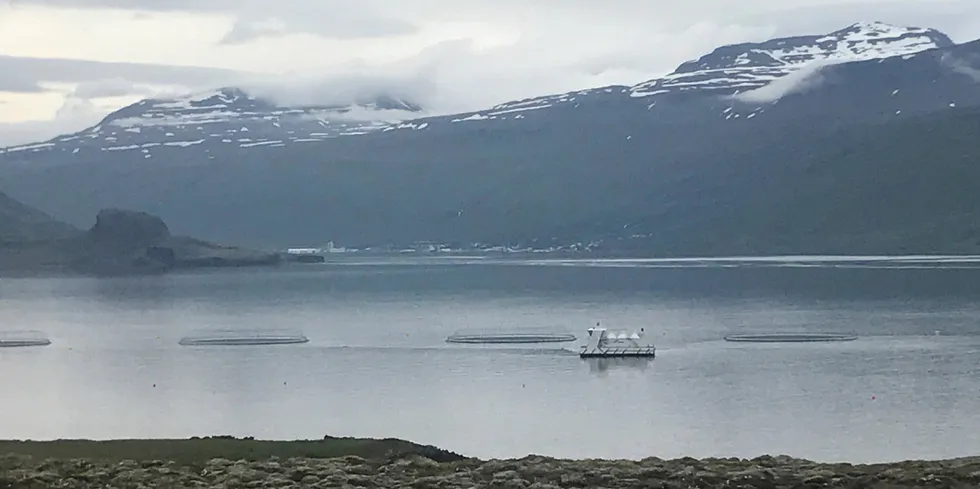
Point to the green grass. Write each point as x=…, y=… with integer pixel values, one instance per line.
x=198, y=450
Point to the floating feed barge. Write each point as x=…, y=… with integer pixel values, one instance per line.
x=789, y=337
x=603, y=343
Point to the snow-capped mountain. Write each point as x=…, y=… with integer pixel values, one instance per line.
x=744, y=67
x=678, y=163
x=232, y=118
x=227, y=116
x=740, y=68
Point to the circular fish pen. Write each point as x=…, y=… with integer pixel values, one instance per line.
x=21, y=339
x=789, y=338
x=243, y=338
x=509, y=338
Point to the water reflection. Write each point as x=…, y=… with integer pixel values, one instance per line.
x=131, y=292
x=604, y=365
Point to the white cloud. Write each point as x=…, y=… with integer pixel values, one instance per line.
x=965, y=66
x=111, y=87
x=340, y=23
x=36, y=71
x=74, y=114
x=806, y=78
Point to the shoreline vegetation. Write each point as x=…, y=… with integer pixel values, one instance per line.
x=198, y=450
x=229, y=462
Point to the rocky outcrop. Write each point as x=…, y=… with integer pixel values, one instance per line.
x=131, y=229
x=131, y=242
x=121, y=242
x=124, y=242
x=532, y=472
x=194, y=253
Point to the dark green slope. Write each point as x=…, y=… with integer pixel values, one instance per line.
x=19, y=222
x=909, y=186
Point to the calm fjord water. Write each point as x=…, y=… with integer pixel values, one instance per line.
x=377, y=364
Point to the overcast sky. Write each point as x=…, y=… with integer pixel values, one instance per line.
x=66, y=63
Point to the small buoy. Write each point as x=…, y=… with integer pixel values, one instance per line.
x=872, y=397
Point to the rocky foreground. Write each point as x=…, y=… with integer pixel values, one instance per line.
x=419, y=471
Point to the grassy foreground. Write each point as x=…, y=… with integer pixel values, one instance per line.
x=229, y=463
x=200, y=450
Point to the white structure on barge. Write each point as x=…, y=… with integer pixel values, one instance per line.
x=607, y=344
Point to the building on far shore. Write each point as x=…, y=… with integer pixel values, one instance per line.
x=305, y=255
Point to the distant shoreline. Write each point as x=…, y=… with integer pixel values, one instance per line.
x=920, y=261
x=335, y=462
x=583, y=256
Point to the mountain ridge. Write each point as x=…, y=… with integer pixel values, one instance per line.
x=746, y=66
x=20, y=222
x=672, y=174
x=727, y=70
x=230, y=115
